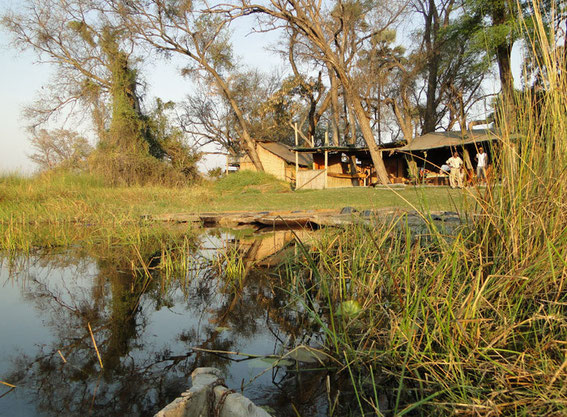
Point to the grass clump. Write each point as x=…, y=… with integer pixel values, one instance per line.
x=471, y=323
x=251, y=182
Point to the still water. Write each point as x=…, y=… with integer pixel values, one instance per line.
x=150, y=331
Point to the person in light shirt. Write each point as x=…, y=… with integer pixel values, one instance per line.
x=482, y=160
x=455, y=176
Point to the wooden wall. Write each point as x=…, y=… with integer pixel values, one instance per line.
x=273, y=164
x=311, y=179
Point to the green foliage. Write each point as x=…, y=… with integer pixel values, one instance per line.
x=119, y=168
x=171, y=139
x=216, y=45
x=83, y=30
x=215, y=173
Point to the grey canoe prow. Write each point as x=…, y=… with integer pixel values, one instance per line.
x=209, y=396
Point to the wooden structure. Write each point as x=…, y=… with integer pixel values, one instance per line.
x=277, y=159
x=347, y=166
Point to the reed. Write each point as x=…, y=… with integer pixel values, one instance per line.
x=62, y=209
x=470, y=322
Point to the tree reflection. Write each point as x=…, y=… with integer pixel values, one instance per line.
x=119, y=298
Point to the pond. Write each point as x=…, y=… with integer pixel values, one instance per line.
x=117, y=331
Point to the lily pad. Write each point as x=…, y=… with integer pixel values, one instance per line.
x=269, y=362
x=306, y=355
x=349, y=309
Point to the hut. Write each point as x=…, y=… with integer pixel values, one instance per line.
x=277, y=159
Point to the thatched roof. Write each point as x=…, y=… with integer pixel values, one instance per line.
x=285, y=152
x=436, y=140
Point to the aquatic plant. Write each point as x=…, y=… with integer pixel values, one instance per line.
x=472, y=322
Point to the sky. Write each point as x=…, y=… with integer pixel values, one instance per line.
x=21, y=79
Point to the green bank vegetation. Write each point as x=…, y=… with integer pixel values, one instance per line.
x=468, y=324
x=61, y=209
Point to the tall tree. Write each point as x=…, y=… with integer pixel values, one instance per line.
x=94, y=67
x=496, y=32
x=180, y=27
x=435, y=14
x=266, y=103
x=450, y=68
x=337, y=33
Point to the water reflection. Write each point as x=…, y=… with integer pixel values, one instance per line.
x=147, y=314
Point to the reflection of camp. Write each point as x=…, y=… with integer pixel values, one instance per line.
x=265, y=250
x=419, y=161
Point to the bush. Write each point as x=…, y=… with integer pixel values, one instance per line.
x=127, y=169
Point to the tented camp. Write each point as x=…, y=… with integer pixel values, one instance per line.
x=277, y=159
x=426, y=154
x=418, y=161
x=346, y=166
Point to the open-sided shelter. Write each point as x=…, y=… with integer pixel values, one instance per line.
x=429, y=152
x=346, y=166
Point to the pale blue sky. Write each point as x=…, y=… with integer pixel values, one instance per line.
x=21, y=80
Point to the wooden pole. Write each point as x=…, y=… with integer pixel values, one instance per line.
x=326, y=157
x=296, y=155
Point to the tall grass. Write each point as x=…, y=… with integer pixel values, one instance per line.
x=471, y=323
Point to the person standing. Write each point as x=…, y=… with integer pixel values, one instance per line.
x=456, y=164
x=482, y=160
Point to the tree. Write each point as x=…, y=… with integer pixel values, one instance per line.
x=265, y=101
x=95, y=69
x=92, y=67
x=496, y=32
x=452, y=70
x=180, y=27
x=336, y=34
x=59, y=148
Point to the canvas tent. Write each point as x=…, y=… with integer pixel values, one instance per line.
x=428, y=152
x=436, y=140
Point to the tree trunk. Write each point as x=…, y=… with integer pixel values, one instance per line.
x=248, y=142
x=368, y=135
x=335, y=110
x=503, y=58
x=431, y=30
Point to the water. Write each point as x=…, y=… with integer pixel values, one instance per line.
x=151, y=331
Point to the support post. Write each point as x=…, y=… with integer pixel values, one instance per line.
x=296, y=155
x=326, y=157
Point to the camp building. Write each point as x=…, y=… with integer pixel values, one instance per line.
x=350, y=166
x=277, y=159
x=418, y=161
